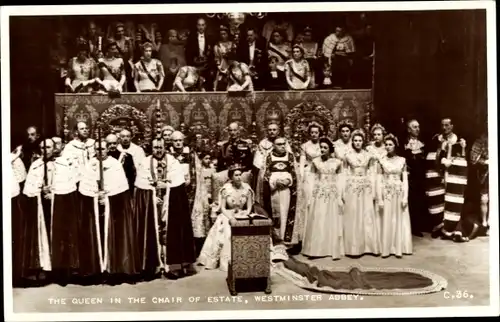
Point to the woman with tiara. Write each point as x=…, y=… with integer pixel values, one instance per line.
x=309, y=151
x=361, y=222
x=298, y=74
x=236, y=200
x=343, y=144
x=221, y=49
x=377, y=147
x=279, y=48
x=323, y=233
x=82, y=70
x=392, y=195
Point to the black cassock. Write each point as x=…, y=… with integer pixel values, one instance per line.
x=128, y=165
x=415, y=161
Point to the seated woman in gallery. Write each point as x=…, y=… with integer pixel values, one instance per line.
x=298, y=73
x=189, y=79
x=239, y=78
x=221, y=49
x=279, y=48
x=149, y=74
x=111, y=70
x=82, y=70
x=236, y=200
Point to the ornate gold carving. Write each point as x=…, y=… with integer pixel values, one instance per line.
x=122, y=116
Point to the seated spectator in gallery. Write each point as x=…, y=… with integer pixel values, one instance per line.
x=274, y=79
x=111, y=70
x=183, y=36
x=172, y=48
x=236, y=39
x=189, y=79
x=299, y=39
x=148, y=71
x=222, y=47
x=124, y=43
x=239, y=78
x=280, y=23
x=82, y=70
x=339, y=49
x=95, y=38
x=324, y=76
x=171, y=71
x=298, y=74
x=199, y=45
x=278, y=48
x=147, y=31
x=311, y=54
x=252, y=51
x=125, y=48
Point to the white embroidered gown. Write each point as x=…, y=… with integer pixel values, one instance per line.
x=361, y=222
x=323, y=234
x=396, y=234
x=216, y=252
x=306, y=183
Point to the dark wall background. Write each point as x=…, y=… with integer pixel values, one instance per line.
x=431, y=65
x=428, y=65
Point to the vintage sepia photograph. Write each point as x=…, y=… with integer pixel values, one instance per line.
x=184, y=162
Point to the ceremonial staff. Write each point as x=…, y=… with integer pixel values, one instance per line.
x=101, y=169
x=47, y=214
x=44, y=146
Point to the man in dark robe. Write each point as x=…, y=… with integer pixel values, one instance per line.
x=17, y=177
x=148, y=202
x=415, y=161
x=185, y=156
x=446, y=182
x=104, y=183
x=124, y=158
x=163, y=172
x=30, y=149
x=36, y=263
x=59, y=182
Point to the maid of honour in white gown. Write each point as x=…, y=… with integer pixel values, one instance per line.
x=361, y=221
x=392, y=194
x=307, y=178
x=323, y=234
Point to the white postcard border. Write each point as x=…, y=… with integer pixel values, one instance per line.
x=493, y=309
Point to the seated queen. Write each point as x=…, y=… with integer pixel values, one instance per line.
x=236, y=200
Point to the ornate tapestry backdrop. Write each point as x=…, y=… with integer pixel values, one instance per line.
x=212, y=112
